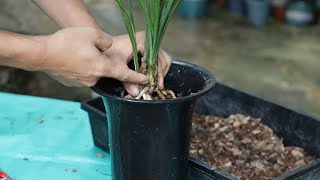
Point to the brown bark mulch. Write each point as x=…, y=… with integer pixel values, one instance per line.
x=243, y=147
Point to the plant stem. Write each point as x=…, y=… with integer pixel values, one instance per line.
x=151, y=76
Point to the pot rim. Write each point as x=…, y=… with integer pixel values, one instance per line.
x=211, y=81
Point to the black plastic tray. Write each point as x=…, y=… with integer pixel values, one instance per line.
x=295, y=128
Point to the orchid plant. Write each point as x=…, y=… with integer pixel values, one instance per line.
x=157, y=14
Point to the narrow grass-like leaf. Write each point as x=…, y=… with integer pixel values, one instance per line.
x=129, y=23
x=157, y=15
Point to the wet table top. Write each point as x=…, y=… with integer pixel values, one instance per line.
x=48, y=139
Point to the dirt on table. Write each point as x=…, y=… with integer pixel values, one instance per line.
x=243, y=147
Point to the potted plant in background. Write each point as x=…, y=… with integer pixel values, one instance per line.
x=300, y=13
x=149, y=139
x=258, y=11
x=279, y=10
x=221, y=3
x=193, y=8
x=317, y=12
x=237, y=6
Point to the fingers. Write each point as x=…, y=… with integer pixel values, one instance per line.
x=164, y=64
x=160, y=74
x=168, y=60
x=122, y=73
x=132, y=89
x=103, y=41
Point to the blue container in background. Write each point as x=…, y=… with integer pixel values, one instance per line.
x=299, y=13
x=237, y=6
x=193, y=8
x=258, y=12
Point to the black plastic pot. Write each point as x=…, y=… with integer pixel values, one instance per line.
x=99, y=127
x=150, y=139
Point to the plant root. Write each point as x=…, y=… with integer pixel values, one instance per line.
x=144, y=90
x=128, y=96
x=122, y=93
x=172, y=94
x=161, y=95
x=144, y=97
x=151, y=93
x=164, y=93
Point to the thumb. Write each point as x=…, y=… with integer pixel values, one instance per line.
x=132, y=89
x=130, y=76
x=103, y=42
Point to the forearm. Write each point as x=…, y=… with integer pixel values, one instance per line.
x=68, y=13
x=21, y=51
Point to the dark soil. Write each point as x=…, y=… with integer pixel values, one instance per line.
x=243, y=147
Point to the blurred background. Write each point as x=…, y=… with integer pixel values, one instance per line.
x=269, y=48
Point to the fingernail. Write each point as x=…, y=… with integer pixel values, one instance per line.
x=133, y=90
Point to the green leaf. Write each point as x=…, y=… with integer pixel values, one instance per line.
x=129, y=23
x=157, y=15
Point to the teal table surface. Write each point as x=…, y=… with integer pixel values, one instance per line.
x=43, y=138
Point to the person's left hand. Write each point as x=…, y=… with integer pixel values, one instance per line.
x=121, y=51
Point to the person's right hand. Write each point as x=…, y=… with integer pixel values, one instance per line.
x=74, y=57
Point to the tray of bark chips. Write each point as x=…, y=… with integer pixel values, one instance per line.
x=243, y=147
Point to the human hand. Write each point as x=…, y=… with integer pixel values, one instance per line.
x=121, y=52
x=74, y=57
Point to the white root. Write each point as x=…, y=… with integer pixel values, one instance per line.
x=144, y=90
x=122, y=93
x=144, y=96
x=164, y=93
x=169, y=93
x=172, y=94
x=150, y=91
x=148, y=97
x=160, y=95
x=128, y=96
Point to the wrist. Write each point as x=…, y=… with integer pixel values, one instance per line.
x=20, y=51
x=92, y=23
x=38, y=56
x=88, y=22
